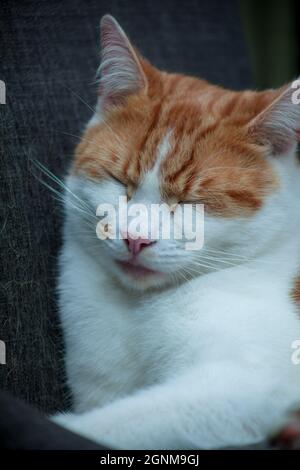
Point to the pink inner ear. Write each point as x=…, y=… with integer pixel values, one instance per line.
x=278, y=123
x=120, y=68
x=281, y=140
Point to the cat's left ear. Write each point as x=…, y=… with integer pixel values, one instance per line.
x=278, y=125
x=121, y=71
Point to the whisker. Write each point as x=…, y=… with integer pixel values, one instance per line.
x=62, y=185
x=61, y=199
x=219, y=260
x=238, y=257
x=103, y=121
x=81, y=99
x=205, y=265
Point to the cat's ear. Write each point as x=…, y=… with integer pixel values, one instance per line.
x=278, y=125
x=121, y=72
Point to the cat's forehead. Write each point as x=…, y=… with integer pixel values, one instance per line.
x=186, y=144
x=150, y=185
x=199, y=115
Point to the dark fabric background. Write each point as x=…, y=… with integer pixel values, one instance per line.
x=48, y=48
x=23, y=427
x=273, y=35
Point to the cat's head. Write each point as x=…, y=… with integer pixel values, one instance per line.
x=167, y=138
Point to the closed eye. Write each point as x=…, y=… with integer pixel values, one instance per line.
x=190, y=202
x=114, y=178
x=130, y=187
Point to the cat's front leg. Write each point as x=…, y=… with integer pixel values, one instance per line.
x=215, y=406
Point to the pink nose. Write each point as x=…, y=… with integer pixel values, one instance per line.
x=136, y=245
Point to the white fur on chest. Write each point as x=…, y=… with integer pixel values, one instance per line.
x=118, y=342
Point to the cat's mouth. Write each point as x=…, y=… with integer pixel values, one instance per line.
x=133, y=268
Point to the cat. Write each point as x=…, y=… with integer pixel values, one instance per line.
x=169, y=348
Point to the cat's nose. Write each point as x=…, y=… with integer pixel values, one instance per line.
x=135, y=245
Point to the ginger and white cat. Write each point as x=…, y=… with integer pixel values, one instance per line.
x=168, y=348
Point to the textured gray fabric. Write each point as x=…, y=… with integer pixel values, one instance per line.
x=22, y=427
x=48, y=48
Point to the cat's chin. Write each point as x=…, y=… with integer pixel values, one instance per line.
x=138, y=277
x=136, y=270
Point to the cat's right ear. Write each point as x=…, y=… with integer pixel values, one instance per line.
x=278, y=125
x=121, y=72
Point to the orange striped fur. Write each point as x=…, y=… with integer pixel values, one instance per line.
x=296, y=291
x=213, y=159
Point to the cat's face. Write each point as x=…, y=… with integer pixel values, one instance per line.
x=164, y=138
